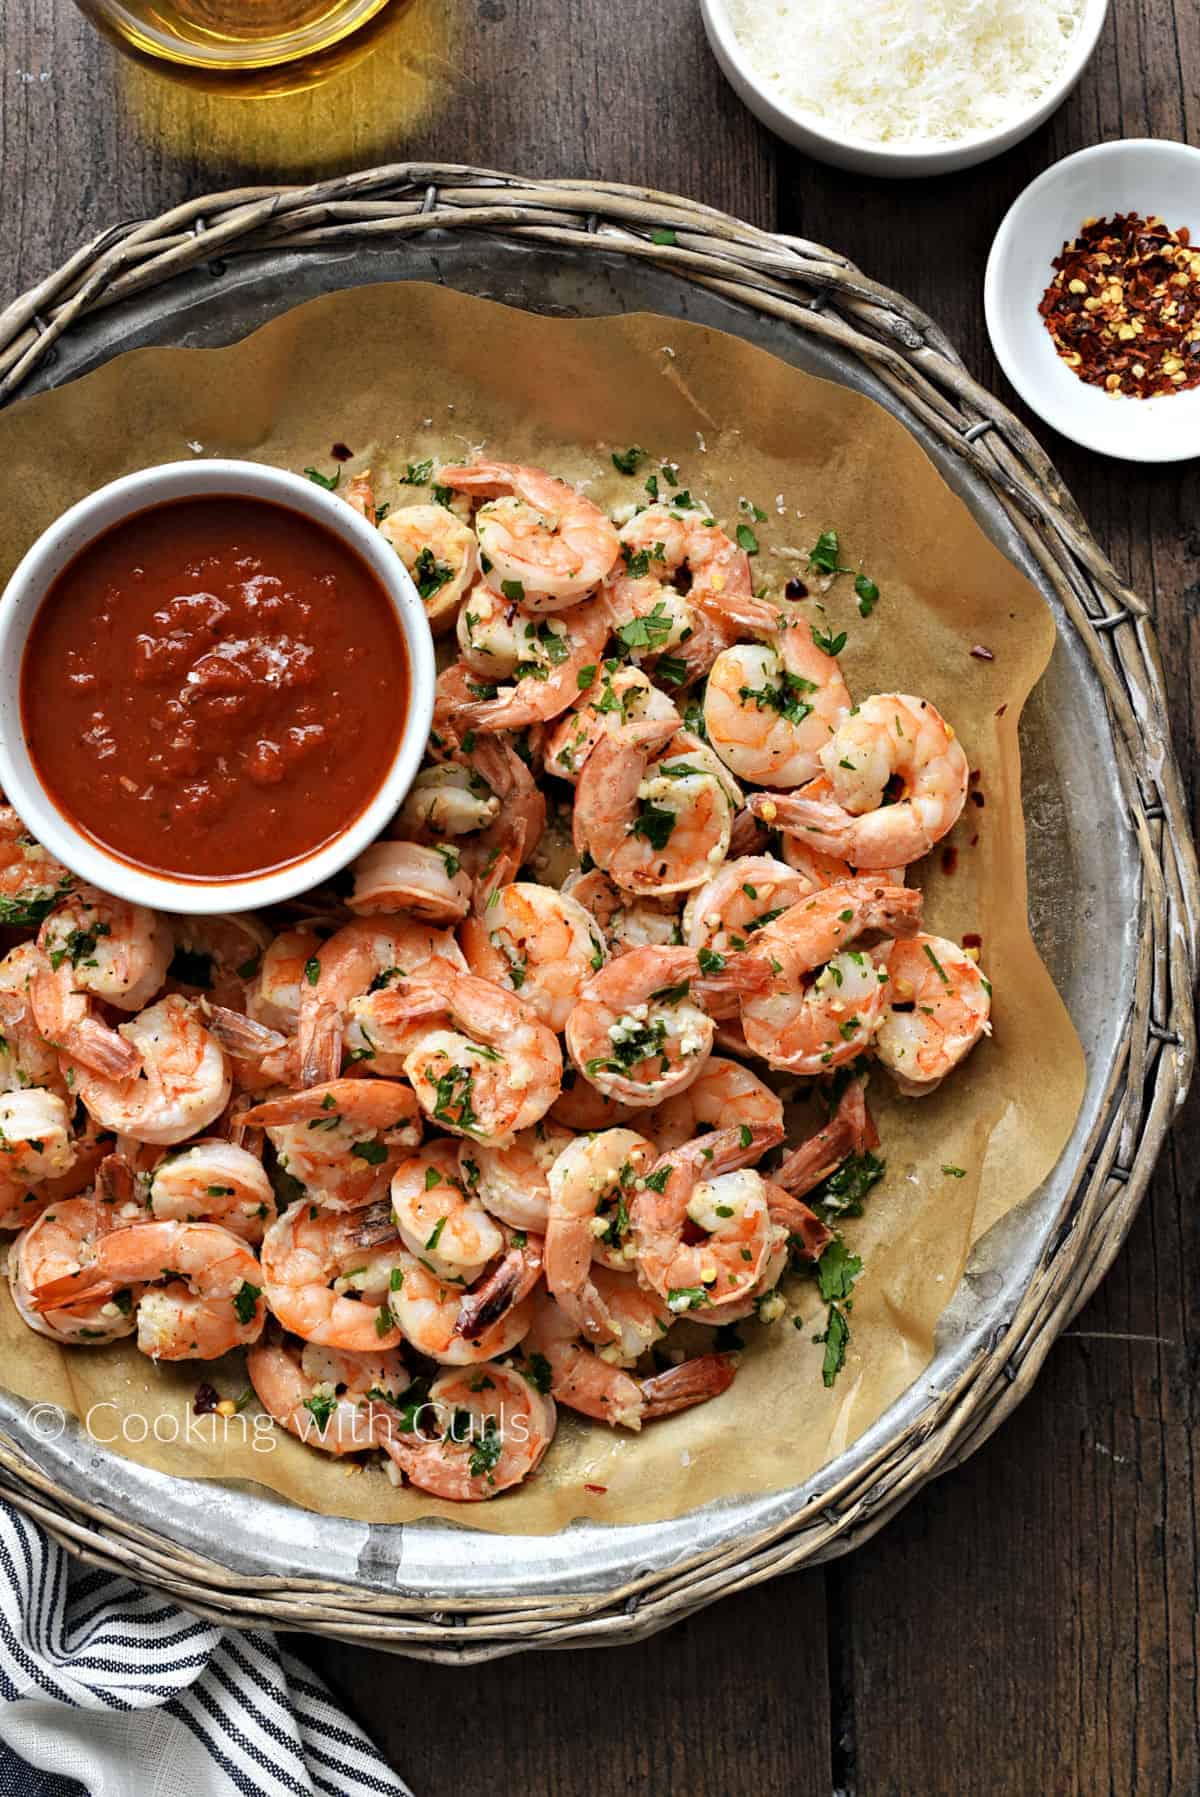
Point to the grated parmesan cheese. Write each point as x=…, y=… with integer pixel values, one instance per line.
x=908, y=71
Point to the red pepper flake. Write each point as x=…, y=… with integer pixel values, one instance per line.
x=981, y=652
x=971, y=940
x=205, y=1400
x=1001, y=709
x=600, y=1488
x=949, y=859
x=341, y=453
x=795, y=589
x=1123, y=308
x=976, y=798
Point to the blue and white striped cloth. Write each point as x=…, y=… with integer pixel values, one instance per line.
x=117, y=1692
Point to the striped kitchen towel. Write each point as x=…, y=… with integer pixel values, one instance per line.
x=116, y=1691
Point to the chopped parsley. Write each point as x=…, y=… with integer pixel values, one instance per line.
x=417, y=474
x=648, y=632
x=682, y=1298
x=655, y=823
x=374, y=1153
x=245, y=1301
x=843, y=1193
x=827, y=642
x=430, y=575
x=628, y=461
x=328, y=481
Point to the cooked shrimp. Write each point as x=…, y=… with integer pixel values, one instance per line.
x=217, y=955
x=503, y=846
x=35, y=1137
x=448, y=799
x=213, y=1181
x=938, y=1007
x=511, y=1182
x=849, y=1131
x=770, y=708
x=440, y=553
x=211, y=1301
x=538, y=942
x=343, y=969
x=654, y=826
x=592, y=1184
x=480, y=1432
x=722, y=1094
x=97, y=947
x=724, y=916
x=184, y=1083
x=324, y=1395
x=406, y=876
x=341, y=1140
x=709, y=1185
x=429, y=1311
x=62, y=1244
x=26, y=1058
x=439, y=1219
x=641, y=1030
x=810, y=1029
x=582, y=1106
x=661, y=547
x=538, y=534
x=627, y=920
x=326, y=1275
x=890, y=738
x=536, y=694
x=500, y=640
x=581, y=1379
x=811, y=1026
x=498, y=1072
x=31, y=880
x=273, y=995
x=114, y=951
x=616, y=697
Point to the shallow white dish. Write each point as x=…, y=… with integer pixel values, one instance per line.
x=1146, y=175
x=864, y=155
x=62, y=542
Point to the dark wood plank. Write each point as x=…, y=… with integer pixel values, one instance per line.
x=1029, y=1624
x=734, y=1699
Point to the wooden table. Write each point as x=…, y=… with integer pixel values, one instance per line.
x=1030, y=1624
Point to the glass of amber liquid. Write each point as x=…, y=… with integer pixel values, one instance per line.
x=232, y=34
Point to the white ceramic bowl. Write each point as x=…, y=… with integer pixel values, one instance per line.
x=58, y=545
x=862, y=154
x=1137, y=175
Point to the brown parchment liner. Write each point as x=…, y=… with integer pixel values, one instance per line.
x=408, y=371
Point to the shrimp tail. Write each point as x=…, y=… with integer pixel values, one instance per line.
x=823, y=1153
x=240, y=1035
x=804, y=1227
x=820, y=823
x=101, y=1049
x=680, y=1387
x=512, y=1279
x=321, y=1047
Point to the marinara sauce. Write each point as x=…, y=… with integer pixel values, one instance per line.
x=215, y=687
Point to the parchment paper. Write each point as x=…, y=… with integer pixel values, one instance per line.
x=401, y=373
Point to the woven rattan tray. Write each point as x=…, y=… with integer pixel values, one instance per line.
x=1119, y=866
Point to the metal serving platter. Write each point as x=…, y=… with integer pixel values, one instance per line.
x=1084, y=905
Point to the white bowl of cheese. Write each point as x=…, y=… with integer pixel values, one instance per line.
x=903, y=87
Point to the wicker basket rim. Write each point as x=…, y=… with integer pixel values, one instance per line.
x=821, y=292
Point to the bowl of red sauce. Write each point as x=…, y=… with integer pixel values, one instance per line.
x=216, y=686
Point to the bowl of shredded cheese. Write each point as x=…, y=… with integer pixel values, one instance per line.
x=903, y=87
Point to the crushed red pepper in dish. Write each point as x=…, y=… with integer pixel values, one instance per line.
x=1124, y=306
